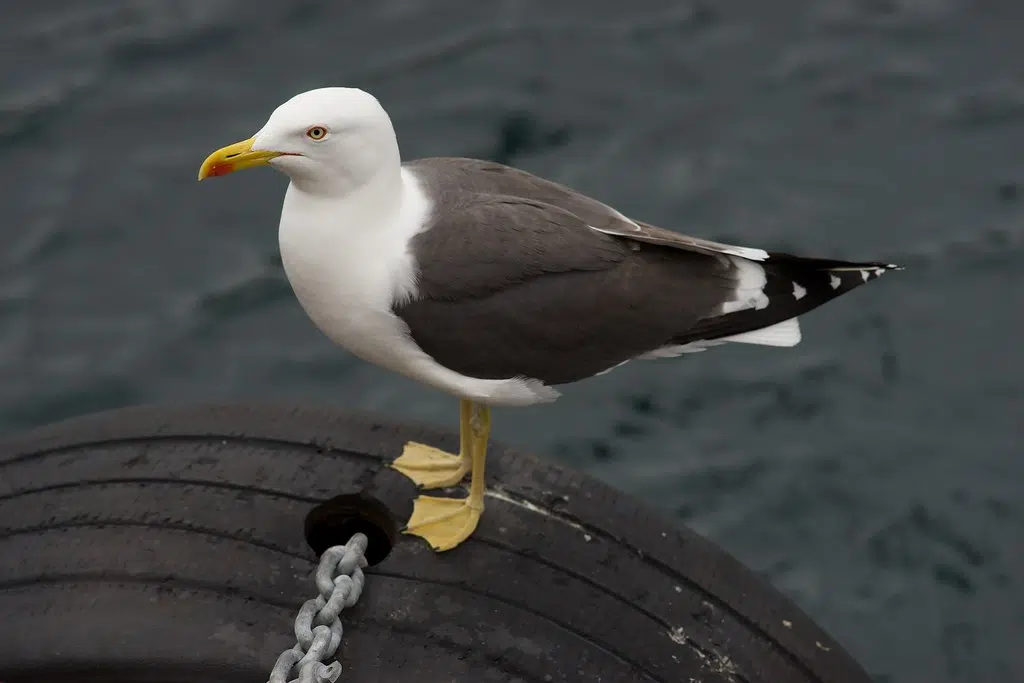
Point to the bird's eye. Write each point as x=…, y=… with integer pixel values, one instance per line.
x=316, y=133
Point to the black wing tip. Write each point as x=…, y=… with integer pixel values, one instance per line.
x=888, y=266
x=876, y=267
x=847, y=276
x=828, y=264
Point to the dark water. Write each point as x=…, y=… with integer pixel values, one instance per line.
x=874, y=473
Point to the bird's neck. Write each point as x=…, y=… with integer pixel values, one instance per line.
x=347, y=201
x=362, y=180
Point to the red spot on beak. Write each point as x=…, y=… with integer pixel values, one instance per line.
x=221, y=169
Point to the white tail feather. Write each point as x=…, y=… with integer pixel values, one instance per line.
x=786, y=333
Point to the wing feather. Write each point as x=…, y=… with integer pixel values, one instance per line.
x=492, y=178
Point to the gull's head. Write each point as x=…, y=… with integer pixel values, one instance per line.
x=332, y=138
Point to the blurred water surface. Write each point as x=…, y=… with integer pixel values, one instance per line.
x=874, y=473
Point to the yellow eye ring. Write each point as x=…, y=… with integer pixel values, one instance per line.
x=316, y=133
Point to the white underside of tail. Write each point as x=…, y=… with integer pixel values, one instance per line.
x=786, y=333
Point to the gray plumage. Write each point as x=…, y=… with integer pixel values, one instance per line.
x=520, y=276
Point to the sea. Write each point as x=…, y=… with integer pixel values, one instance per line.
x=874, y=473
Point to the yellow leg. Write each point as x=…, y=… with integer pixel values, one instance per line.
x=447, y=522
x=433, y=468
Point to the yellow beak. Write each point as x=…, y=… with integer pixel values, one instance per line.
x=234, y=158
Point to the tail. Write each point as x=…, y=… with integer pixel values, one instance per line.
x=771, y=293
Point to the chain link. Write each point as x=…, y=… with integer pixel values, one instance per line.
x=339, y=580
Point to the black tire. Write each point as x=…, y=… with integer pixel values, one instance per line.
x=159, y=544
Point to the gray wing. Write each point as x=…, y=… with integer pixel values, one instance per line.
x=479, y=244
x=523, y=276
x=510, y=287
x=488, y=177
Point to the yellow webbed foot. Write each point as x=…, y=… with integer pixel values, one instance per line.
x=431, y=467
x=444, y=522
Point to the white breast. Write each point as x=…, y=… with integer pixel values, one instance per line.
x=348, y=262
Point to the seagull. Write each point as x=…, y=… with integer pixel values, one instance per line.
x=495, y=285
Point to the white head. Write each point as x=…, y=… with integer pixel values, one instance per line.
x=330, y=140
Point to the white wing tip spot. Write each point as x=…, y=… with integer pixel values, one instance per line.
x=798, y=291
x=834, y=281
x=864, y=275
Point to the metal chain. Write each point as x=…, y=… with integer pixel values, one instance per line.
x=339, y=579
